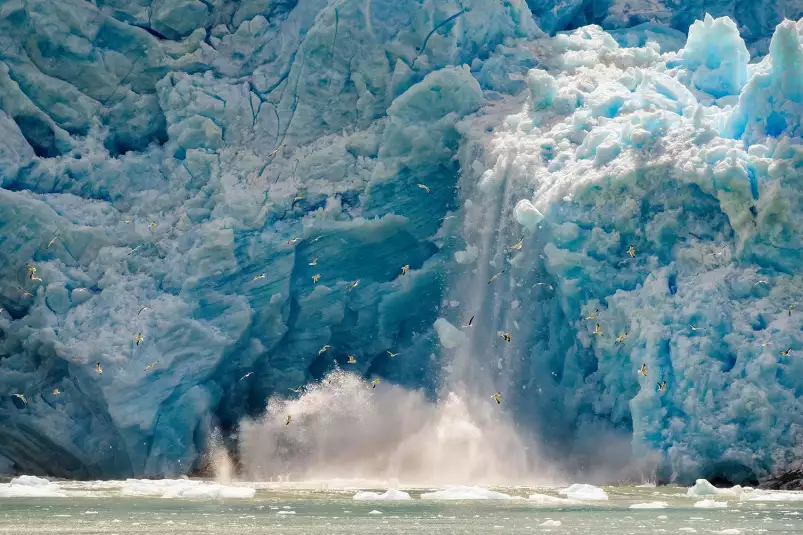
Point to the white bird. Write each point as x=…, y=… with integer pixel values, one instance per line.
x=353, y=285
x=496, y=276
x=323, y=349
x=393, y=354
x=498, y=398
x=150, y=366
x=695, y=329
x=249, y=374
x=141, y=310
x=56, y=237
x=20, y=397
x=98, y=369
x=423, y=186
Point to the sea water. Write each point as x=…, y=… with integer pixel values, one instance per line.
x=320, y=508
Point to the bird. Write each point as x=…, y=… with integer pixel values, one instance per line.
x=298, y=390
x=695, y=329
x=314, y=262
x=470, y=322
x=51, y=242
x=661, y=386
x=141, y=310
x=448, y=217
x=31, y=269
x=643, y=370
x=393, y=354
x=631, y=251
x=375, y=382
x=786, y=353
x=760, y=282
x=549, y=286
x=259, y=277
x=20, y=397
x=98, y=369
x=621, y=338
x=593, y=315
x=33, y=277
x=498, y=398
x=24, y=292
x=316, y=278
x=598, y=330
x=299, y=195
x=288, y=420
x=506, y=337
x=276, y=150
x=424, y=187
x=139, y=338
x=150, y=366
x=352, y=359
x=518, y=245
x=293, y=241
x=495, y=276
x=56, y=392
x=323, y=349
x=247, y=375
x=316, y=239
x=405, y=269
x=134, y=249
x=766, y=344
x=353, y=285
x=153, y=225
x=791, y=308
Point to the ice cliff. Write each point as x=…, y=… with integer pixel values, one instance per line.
x=183, y=169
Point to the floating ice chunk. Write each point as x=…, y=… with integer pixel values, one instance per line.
x=468, y=256
x=703, y=488
x=184, y=488
x=710, y=504
x=390, y=494
x=550, y=524
x=449, y=335
x=31, y=487
x=458, y=492
x=527, y=215
x=543, y=88
x=545, y=499
x=730, y=531
x=772, y=496
x=284, y=513
x=584, y=492
x=687, y=530
x=650, y=505
x=375, y=512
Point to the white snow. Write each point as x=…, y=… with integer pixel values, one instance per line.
x=458, y=492
x=584, y=492
x=389, y=495
x=31, y=487
x=650, y=505
x=710, y=504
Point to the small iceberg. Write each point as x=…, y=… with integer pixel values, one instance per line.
x=390, y=495
x=703, y=488
x=650, y=505
x=584, y=492
x=458, y=492
x=550, y=524
x=31, y=487
x=184, y=488
x=545, y=499
x=710, y=504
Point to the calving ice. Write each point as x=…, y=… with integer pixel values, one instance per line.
x=321, y=193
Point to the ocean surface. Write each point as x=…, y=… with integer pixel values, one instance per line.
x=111, y=507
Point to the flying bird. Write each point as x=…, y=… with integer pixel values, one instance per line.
x=598, y=330
x=51, y=242
x=33, y=277
x=293, y=241
x=766, y=344
x=20, y=397
x=470, y=322
x=631, y=251
x=643, y=370
x=352, y=359
x=661, y=386
x=246, y=376
x=393, y=354
x=405, y=269
x=424, y=187
x=288, y=420
x=353, y=285
x=760, y=282
x=495, y=276
x=314, y=262
x=56, y=392
x=134, y=249
x=141, y=310
x=518, y=245
x=593, y=315
x=621, y=338
x=299, y=195
x=258, y=277
x=150, y=366
x=498, y=398
x=791, y=308
x=276, y=150
x=695, y=329
x=98, y=369
x=375, y=382
x=25, y=292
x=316, y=278
x=786, y=353
x=153, y=225
x=323, y=349
x=31, y=269
x=316, y=239
x=139, y=338
x=506, y=337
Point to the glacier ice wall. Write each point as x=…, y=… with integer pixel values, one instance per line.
x=182, y=170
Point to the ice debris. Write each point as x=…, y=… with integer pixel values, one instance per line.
x=584, y=492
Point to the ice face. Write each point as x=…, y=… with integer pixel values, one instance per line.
x=179, y=178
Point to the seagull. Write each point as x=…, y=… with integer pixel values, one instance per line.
x=495, y=276
x=353, y=285
x=792, y=307
x=593, y=315
x=621, y=338
x=352, y=359
x=56, y=237
x=314, y=262
x=150, y=366
x=31, y=269
x=56, y=392
x=760, y=282
x=405, y=269
x=141, y=310
x=598, y=330
x=470, y=322
x=288, y=420
x=766, y=344
x=424, y=187
x=643, y=370
x=506, y=337
x=448, y=217
x=786, y=353
x=153, y=225
x=631, y=251
x=20, y=397
x=24, y=292
x=323, y=349
x=498, y=398
x=661, y=386
x=134, y=249
x=695, y=329
x=98, y=369
x=316, y=278
x=375, y=382
x=549, y=286
x=277, y=149
x=293, y=241
x=33, y=277
x=258, y=277
x=623, y=262
x=316, y=239
x=139, y=338
x=299, y=195
x=518, y=245
x=249, y=374
x=393, y=354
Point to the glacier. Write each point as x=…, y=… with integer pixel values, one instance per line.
x=182, y=170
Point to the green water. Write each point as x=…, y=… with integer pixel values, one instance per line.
x=330, y=512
